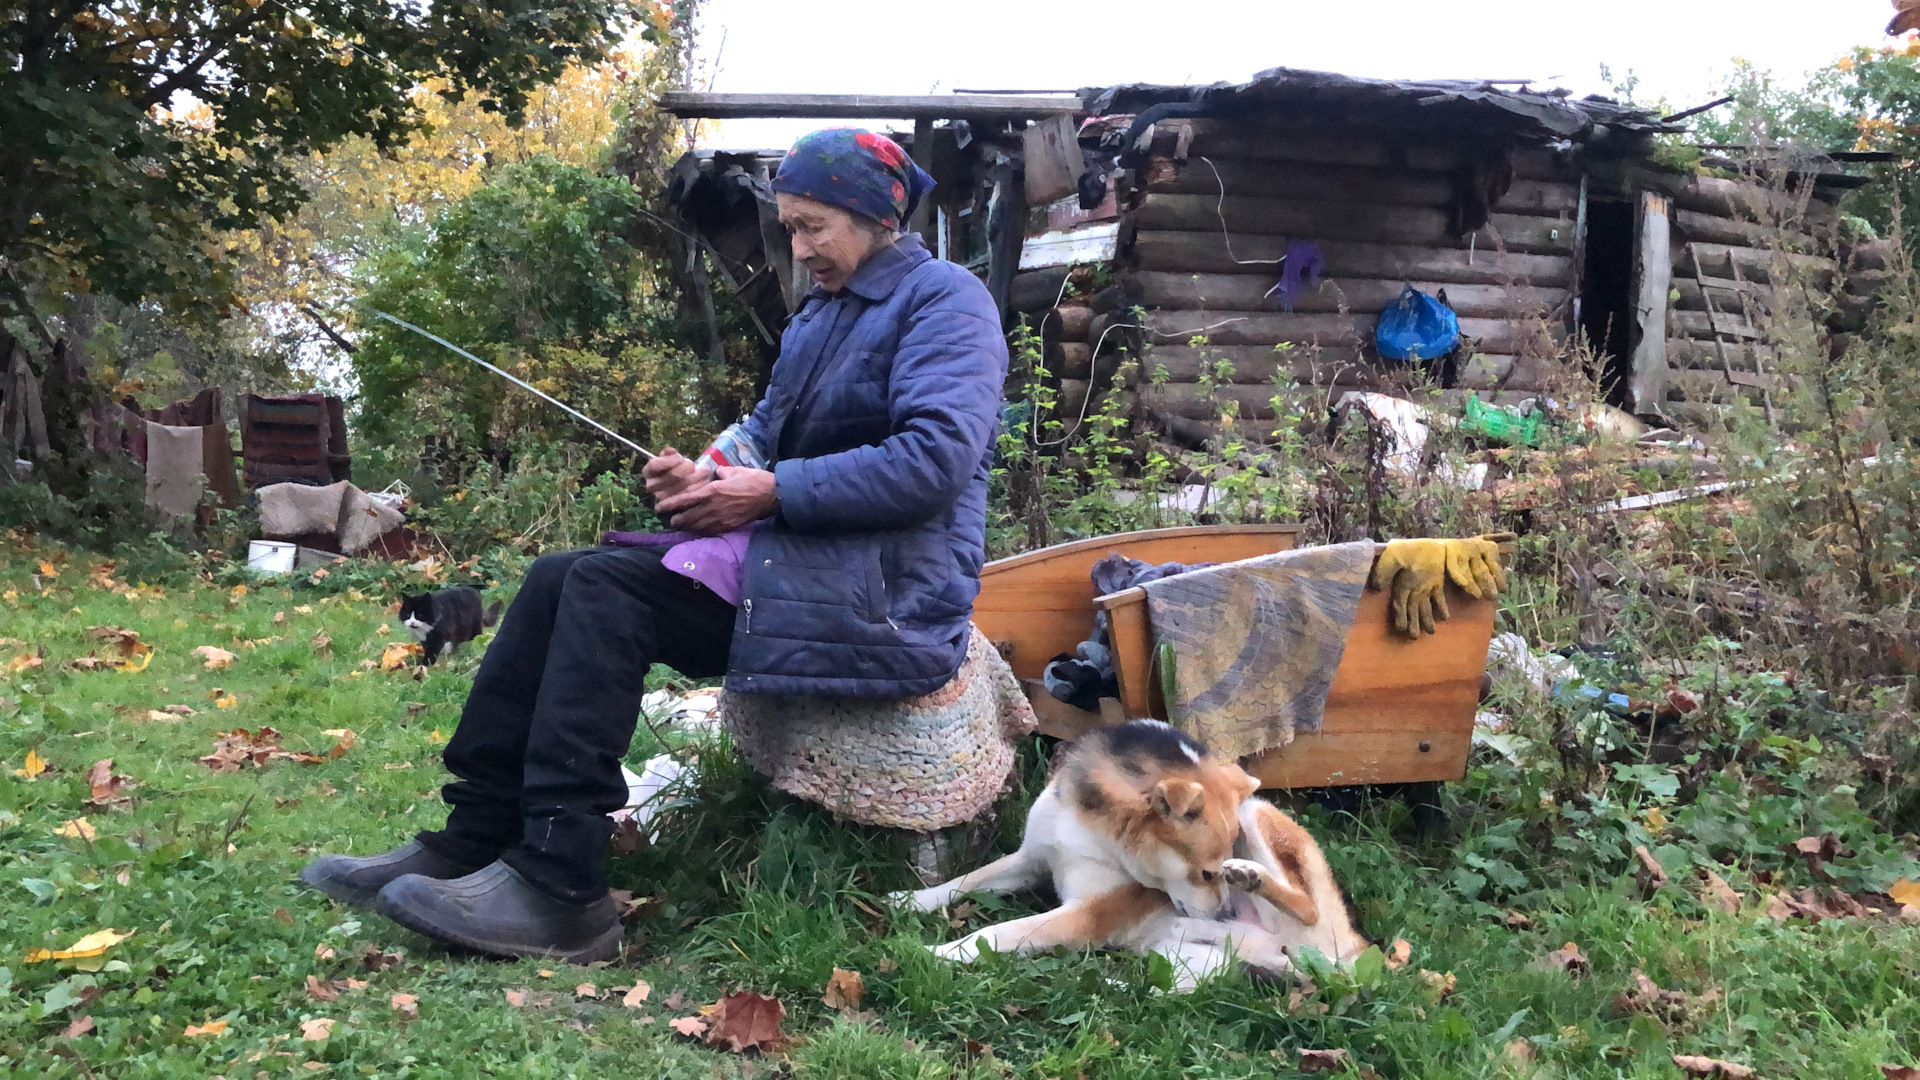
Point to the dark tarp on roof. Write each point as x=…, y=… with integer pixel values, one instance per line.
x=1441, y=105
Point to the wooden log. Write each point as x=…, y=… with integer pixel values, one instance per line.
x=1691, y=353
x=1246, y=292
x=1540, y=164
x=1275, y=328
x=1869, y=255
x=1692, y=298
x=1070, y=359
x=1484, y=371
x=1254, y=402
x=1071, y=322
x=1756, y=264
x=1692, y=225
x=1252, y=364
x=1216, y=138
x=1534, y=374
x=1346, y=184
x=1745, y=201
x=1700, y=324
x=1037, y=290
x=1365, y=222
x=1206, y=252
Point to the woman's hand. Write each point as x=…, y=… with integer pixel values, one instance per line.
x=731, y=499
x=668, y=474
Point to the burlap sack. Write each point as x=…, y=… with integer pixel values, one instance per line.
x=290, y=510
x=362, y=521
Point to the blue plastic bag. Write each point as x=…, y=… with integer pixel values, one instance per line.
x=1417, y=327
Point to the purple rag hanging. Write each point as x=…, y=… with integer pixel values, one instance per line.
x=1304, y=262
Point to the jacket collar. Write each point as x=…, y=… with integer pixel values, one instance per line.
x=876, y=278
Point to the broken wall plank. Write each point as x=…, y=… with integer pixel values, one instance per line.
x=1653, y=268
x=1690, y=353
x=1053, y=161
x=1345, y=184
x=1744, y=201
x=1712, y=229
x=1756, y=264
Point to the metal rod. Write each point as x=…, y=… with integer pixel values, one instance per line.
x=542, y=395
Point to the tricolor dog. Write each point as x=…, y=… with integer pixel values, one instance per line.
x=1154, y=846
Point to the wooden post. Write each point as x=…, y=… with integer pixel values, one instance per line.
x=1006, y=232
x=922, y=221
x=1653, y=270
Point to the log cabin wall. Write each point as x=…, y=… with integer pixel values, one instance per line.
x=1731, y=241
x=1218, y=203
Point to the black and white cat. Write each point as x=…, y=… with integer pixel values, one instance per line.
x=443, y=620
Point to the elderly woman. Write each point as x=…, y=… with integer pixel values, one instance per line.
x=843, y=528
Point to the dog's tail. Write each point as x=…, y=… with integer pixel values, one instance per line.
x=492, y=615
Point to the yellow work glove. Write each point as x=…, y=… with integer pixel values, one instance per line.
x=1414, y=574
x=1474, y=564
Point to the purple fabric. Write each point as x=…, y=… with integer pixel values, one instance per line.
x=1302, y=264
x=855, y=170
x=713, y=561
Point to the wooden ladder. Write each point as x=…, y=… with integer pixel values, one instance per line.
x=1742, y=292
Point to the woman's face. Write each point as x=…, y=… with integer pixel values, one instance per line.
x=831, y=242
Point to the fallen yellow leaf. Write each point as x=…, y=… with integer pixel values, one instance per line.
x=211, y=1027
x=77, y=828
x=303, y=609
x=49, y=569
x=396, y=653
x=383, y=631
x=434, y=736
x=35, y=765
x=636, y=995
x=138, y=664
x=317, y=1029
x=93, y=944
x=1905, y=892
x=23, y=662
x=237, y=591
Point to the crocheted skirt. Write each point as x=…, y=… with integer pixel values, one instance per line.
x=908, y=763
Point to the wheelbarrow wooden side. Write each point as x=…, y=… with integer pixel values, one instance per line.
x=1399, y=711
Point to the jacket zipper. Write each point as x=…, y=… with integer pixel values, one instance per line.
x=747, y=606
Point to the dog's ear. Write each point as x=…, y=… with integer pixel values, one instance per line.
x=1248, y=784
x=1179, y=798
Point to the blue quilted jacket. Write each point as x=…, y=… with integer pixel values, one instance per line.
x=879, y=419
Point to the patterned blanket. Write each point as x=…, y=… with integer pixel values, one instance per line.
x=1248, y=649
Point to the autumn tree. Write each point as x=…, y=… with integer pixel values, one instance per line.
x=137, y=129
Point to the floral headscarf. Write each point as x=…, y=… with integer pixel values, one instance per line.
x=855, y=170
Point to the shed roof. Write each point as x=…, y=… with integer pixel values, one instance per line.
x=1459, y=106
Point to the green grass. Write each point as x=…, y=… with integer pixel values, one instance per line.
x=761, y=893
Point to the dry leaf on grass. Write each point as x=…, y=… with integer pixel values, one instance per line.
x=586, y=990
x=1567, y=958
x=375, y=960
x=844, y=990
x=1437, y=986
x=397, y=653
x=1516, y=921
x=675, y=1000
x=323, y=952
x=1667, y=1006
x=216, y=658
x=77, y=829
x=317, y=1029
x=77, y=1028
x=1521, y=1051
x=1710, y=1067
x=322, y=644
x=91, y=947
x=25, y=662
x=34, y=766
x=1905, y=893
x=747, y=1021
x=104, y=787
x=691, y=1026
x=517, y=998
x=1323, y=1060
x=634, y=997
x=1715, y=892
x=1899, y=1072
x=211, y=1027
x=1819, y=851
x=320, y=991
x=407, y=1005
x=1398, y=955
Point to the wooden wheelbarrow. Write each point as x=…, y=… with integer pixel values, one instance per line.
x=1399, y=711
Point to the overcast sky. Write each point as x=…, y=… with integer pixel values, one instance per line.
x=1678, y=48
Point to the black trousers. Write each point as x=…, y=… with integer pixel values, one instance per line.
x=553, y=707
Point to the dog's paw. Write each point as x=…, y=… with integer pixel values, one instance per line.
x=963, y=951
x=929, y=899
x=1242, y=874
